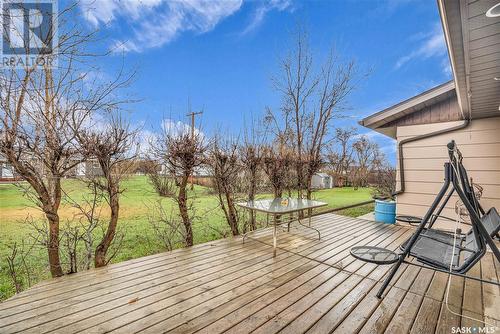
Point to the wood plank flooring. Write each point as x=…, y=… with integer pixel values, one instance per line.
x=226, y=286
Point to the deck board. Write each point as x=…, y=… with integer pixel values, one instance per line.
x=311, y=286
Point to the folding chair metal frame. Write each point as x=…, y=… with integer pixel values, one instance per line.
x=482, y=236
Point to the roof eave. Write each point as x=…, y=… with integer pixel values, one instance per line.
x=456, y=52
x=408, y=106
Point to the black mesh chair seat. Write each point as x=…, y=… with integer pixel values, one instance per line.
x=437, y=250
x=490, y=221
x=439, y=236
x=442, y=236
x=435, y=253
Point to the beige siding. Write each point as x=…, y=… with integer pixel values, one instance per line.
x=424, y=160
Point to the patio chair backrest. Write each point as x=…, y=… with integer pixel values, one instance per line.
x=491, y=222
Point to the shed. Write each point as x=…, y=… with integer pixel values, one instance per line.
x=322, y=181
x=7, y=172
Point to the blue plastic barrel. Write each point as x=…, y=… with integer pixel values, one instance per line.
x=385, y=211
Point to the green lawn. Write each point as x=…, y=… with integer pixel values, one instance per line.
x=135, y=205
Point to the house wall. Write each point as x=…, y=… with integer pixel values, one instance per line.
x=424, y=160
x=92, y=168
x=6, y=171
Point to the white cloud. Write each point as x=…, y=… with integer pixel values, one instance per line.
x=106, y=11
x=370, y=135
x=432, y=44
x=173, y=127
x=261, y=11
x=95, y=77
x=155, y=23
x=145, y=139
x=158, y=22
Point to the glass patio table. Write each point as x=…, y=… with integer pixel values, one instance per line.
x=282, y=206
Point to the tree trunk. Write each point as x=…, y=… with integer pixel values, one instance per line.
x=309, y=193
x=300, y=177
x=102, y=249
x=53, y=245
x=51, y=204
x=277, y=194
x=309, y=189
x=183, y=209
x=232, y=218
x=227, y=206
x=251, y=197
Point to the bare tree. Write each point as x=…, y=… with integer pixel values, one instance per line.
x=18, y=267
x=12, y=268
x=225, y=166
x=340, y=157
x=42, y=108
x=310, y=101
x=181, y=152
x=297, y=85
x=160, y=179
x=277, y=162
x=87, y=220
x=167, y=227
x=251, y=155
x=368, y=158
x=385, y=187
x=279, y=159
x=111, y=148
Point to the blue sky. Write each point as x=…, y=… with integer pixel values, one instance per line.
x=222, y=54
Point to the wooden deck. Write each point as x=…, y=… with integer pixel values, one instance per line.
x=225, y=286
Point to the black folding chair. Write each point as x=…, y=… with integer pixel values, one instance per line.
x=493, y=227
x=439, y=250
x=491, y=218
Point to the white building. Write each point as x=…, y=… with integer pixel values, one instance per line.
x=322, y=181
x=6, y=170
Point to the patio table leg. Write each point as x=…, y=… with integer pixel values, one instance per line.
x=310, y=227
x=275, y=233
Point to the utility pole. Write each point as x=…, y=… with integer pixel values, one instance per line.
x=192, y=114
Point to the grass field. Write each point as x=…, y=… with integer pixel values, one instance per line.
x=135, y=205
